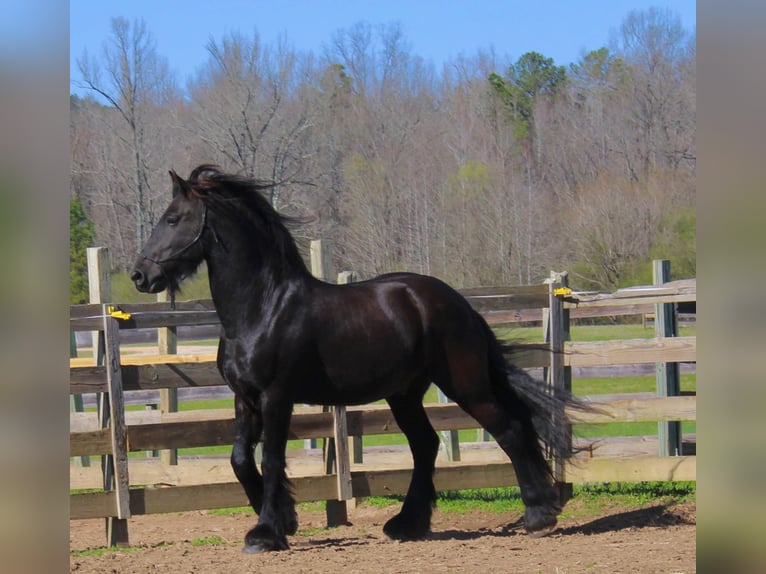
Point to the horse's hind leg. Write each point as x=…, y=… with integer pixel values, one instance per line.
x=511, y=426
x=484, y=391
x=414, y=519
x=249, y=425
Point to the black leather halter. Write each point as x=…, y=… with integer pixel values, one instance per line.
x=178, y=252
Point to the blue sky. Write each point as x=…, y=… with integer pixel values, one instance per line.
x=436, y=30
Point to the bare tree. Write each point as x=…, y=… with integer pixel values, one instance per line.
x=653, y=43
x=486, y=172
x=134, y=82
x=252, y=114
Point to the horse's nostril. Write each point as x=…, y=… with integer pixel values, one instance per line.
x=137, y=276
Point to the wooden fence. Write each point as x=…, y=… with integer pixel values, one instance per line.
x=121, y=487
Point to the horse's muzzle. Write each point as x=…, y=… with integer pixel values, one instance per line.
x=147, y=284
x=139, y=279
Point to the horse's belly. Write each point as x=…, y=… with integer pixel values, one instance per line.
x=357, y=387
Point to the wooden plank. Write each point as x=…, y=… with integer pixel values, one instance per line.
x=488, y=299
x=87, y=421
x=640, y=410
x=519, y=291
x=217, y=469
x=485, y=304
x=499, y=316
x=155, y=372
x=216, y=426
x=181, y=435
x=529, y=356
x=306, y=488
x=627, y=446
x=86, y=379
x=147, y=315
x=186, y=498
x=381, y=483
x=184, y=431
x=639, y=469
x=90, y=442
x=636, y=298
x=189, y=471
x=91, y=505
x=158, y=374
x=153, y=472
x=179, y=359
x=631, y=351
x=186, y=371
x=587, y=312
x=80, y=423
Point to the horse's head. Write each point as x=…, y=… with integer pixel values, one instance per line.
x=174, y=250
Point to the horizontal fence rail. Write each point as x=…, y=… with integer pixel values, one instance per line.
x=197, y=483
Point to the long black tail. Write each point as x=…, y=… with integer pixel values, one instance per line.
x=547, y=406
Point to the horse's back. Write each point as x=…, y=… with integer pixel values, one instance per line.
x=437, y=301
x=374, y=337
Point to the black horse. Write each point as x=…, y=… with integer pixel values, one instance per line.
x=289, y=338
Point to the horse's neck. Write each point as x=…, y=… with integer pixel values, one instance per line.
x=247, y=289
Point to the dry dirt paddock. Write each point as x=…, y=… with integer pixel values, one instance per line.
x=654, y=538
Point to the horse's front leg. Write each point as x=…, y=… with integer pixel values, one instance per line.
x=277, y=517
x=249, y=424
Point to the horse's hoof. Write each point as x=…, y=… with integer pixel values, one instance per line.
x=291, y=524
x=254, y=549
x=539, y=521
x=262, y=539
x=542, y=533
x=260, y=546
x=401, y=529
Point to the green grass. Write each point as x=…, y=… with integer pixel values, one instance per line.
x=209, y=541
x=102, y=550
x=592, y=498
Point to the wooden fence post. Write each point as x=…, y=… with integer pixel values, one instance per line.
x=668, y=377
x=357, y=446
x=559, y=375
x=104, y=346
x=450, y=438
x=167, y=343
x=99, y=290
x=116, y=463
x=319, y=255
x=335, y=449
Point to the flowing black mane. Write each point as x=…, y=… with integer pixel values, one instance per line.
x=242, y=200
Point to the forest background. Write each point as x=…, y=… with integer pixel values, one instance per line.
x=482, y=172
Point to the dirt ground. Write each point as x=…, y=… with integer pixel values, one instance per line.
x=653, y=538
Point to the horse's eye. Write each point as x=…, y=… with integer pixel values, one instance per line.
x=172, y=220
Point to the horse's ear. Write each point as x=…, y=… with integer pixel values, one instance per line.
x=179, y=185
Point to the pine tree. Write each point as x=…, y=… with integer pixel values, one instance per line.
x=81, y=236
